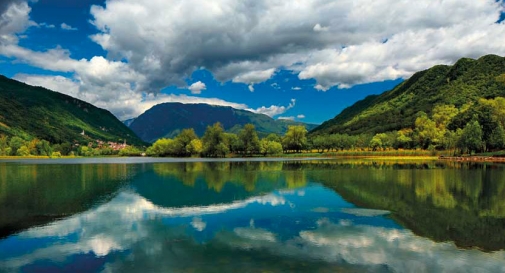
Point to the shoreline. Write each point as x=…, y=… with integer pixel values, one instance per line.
x=301, y=156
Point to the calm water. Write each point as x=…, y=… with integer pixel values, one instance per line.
x=119, y=215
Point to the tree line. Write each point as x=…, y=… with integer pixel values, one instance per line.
x=471, y=128
x=217, y=143
x=17, y=146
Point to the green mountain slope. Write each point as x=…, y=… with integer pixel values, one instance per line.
x=464, y=82
x=35, y=112
x=169, y=119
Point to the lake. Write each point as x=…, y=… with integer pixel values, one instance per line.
x=258, y=215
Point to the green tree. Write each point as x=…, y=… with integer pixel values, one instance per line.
x=130, y=151
x=23, y=151
x=195, y=147
x=426, y=131
x=4, y=145
x=44, y=148
x=443, y=114
x=233, y=142
x=471, y=138
x=15, y=143
x=274, y=137
x=249, y=141
x=404, y=138
x=496, y=139
x=214, y=141
x=182, y=141
x=295, y=138
x=162, y=147
x=270, y=147
x=376, y=142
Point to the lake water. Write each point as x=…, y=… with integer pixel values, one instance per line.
x=150, y=215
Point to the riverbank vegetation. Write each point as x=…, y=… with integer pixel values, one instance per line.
x=448, y=131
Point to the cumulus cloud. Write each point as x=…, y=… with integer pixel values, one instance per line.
x=338, y=43
x=254, y=76
x=296, y=88
x=122, y=102
x=64, y=26
x=14, y=19
x=273, y=110
x=197, y=87
x=300, y=116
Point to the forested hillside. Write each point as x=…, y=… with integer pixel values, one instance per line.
x=459, y=107
x=460, y=85
x=167, y=120
x=34, y=112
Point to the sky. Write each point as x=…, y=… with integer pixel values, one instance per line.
x=302, y=59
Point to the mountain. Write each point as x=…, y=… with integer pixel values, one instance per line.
x=29, y=111
x=464, y=82
x=169, y=119
x=128, y=122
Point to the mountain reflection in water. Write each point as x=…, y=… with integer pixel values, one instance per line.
x=297, y=216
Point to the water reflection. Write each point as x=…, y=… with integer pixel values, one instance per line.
x=37, y=194
x=271, y=216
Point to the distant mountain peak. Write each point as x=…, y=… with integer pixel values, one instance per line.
x=168, y=119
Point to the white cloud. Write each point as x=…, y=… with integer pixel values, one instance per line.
x=253, y=77
x=197, y=87
x=287, y=118
x=246, y=41
x=64, y=26
x=124, y=103
x=54, y=83
x=300, y=116
x=14, y=19
x=130, y=223
x=337, y=43
x=296, y=88
x=45, y=25
x=319, y=28
x=273, y=110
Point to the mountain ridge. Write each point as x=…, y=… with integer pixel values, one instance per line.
x=168, y=119
x=465, y=81
x=36, y=112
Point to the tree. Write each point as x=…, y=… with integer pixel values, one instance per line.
x=4, y=145
x=443, y=114
x=214, y=141
x=426, y=131
x=450, y=140
x=496, y=139
x=15, y=143
x=23, y=151
x=404, y=138
x=164, y=147
x=471, y=138
x=376, y=142
x=270, y=147
x=249, y=141
x=274, y=137
x=195, y=147
x=295, y=138
x=233, y=142
x=44, y=148
x=182, y=141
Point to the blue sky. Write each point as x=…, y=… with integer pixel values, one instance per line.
x=306, y=60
